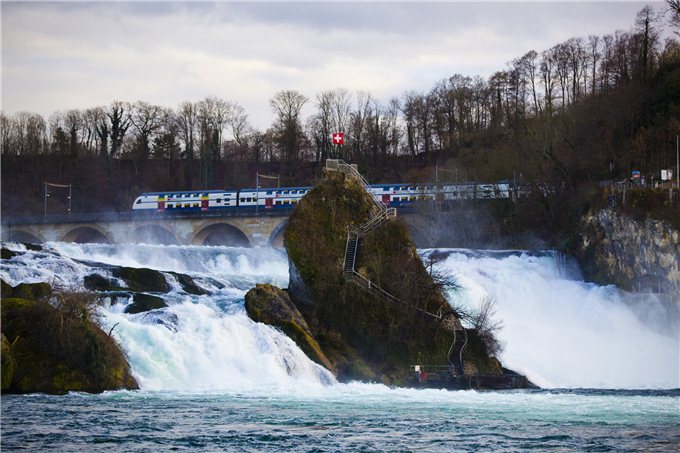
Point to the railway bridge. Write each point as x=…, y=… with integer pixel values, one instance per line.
x=232, y=229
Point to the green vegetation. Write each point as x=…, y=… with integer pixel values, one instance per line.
x=55, y=346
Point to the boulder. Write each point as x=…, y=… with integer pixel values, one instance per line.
x=145, y=302
x=97, y=282
x=271, y=305
x=57, y=349
x=6, y=254
x=31, y=291
x=142, y=279
x=188, y=284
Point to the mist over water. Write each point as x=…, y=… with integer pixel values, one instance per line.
x=563, y=332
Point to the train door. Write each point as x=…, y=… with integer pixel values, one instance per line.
x=268, y=203
x=204, y=202
x=386, y=199
x=161, y=202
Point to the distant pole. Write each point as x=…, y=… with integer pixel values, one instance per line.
x=677, y=160
x=257, y=193
x=46, y=195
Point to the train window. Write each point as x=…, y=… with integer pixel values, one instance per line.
x=195, y=205
x=219, y=200
x=278, y=202
x=186, y=205
x=139, y=201
x=243, y=200
x=270, y=192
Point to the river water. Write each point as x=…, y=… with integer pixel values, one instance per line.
x=211, y=379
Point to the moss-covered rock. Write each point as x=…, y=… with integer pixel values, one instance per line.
x=56, y=347
x=271, y=305
x=5, y=289
x=8, y=364
x=142, y=279
x=145, y=302
x=32, y=291
x=97, y=282
x=364, y=336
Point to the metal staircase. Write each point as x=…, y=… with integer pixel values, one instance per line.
x=380, y=214
x=455, y=354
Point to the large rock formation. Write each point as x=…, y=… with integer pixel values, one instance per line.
x=364, y=335
x=55, y=347
x=635, y=255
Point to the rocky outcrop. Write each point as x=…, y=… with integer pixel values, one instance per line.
x=635, y=255
x=145, y=302
x=363, y=335
x=56, y=348
x=26, y=290
x=271, y=305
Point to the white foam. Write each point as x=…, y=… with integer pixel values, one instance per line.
x=563, y=332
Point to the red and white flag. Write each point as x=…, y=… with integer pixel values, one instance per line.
x=338, y=138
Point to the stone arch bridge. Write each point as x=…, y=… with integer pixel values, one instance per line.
x=264, y=229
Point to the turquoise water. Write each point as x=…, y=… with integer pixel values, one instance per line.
x=354, y=417
x=211, y=379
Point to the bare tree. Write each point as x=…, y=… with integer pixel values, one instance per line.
x=287, y=106
x=146, y=119
x=646, y=20
x=674, y=11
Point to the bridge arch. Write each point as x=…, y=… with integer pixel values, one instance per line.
x=86, y=234
x=24, y=236
x=152, y=233
x=276, y=238
x=221, y=234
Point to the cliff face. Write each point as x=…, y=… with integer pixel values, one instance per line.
x=635, y=255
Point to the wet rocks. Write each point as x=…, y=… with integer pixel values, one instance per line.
x=271, y=305
x=145, y=302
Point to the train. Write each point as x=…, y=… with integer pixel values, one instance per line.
x=285, y=198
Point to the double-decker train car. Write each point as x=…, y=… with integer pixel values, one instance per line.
x=271, y=198
x=282, y=198
x=186, y=201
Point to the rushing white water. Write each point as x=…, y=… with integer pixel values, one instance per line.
x=198, y=343
x=558, y=330
x=561, y=331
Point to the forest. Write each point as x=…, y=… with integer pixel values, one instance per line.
x=586, y=110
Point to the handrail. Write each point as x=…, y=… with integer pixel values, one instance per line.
x=351, y=170
x=383, y=214
x=373, y=287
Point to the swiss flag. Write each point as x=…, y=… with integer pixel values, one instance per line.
x=339, y=138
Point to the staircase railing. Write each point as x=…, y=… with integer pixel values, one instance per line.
x=348, y=169
x=352, y=245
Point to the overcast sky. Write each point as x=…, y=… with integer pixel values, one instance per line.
x=62, y=55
